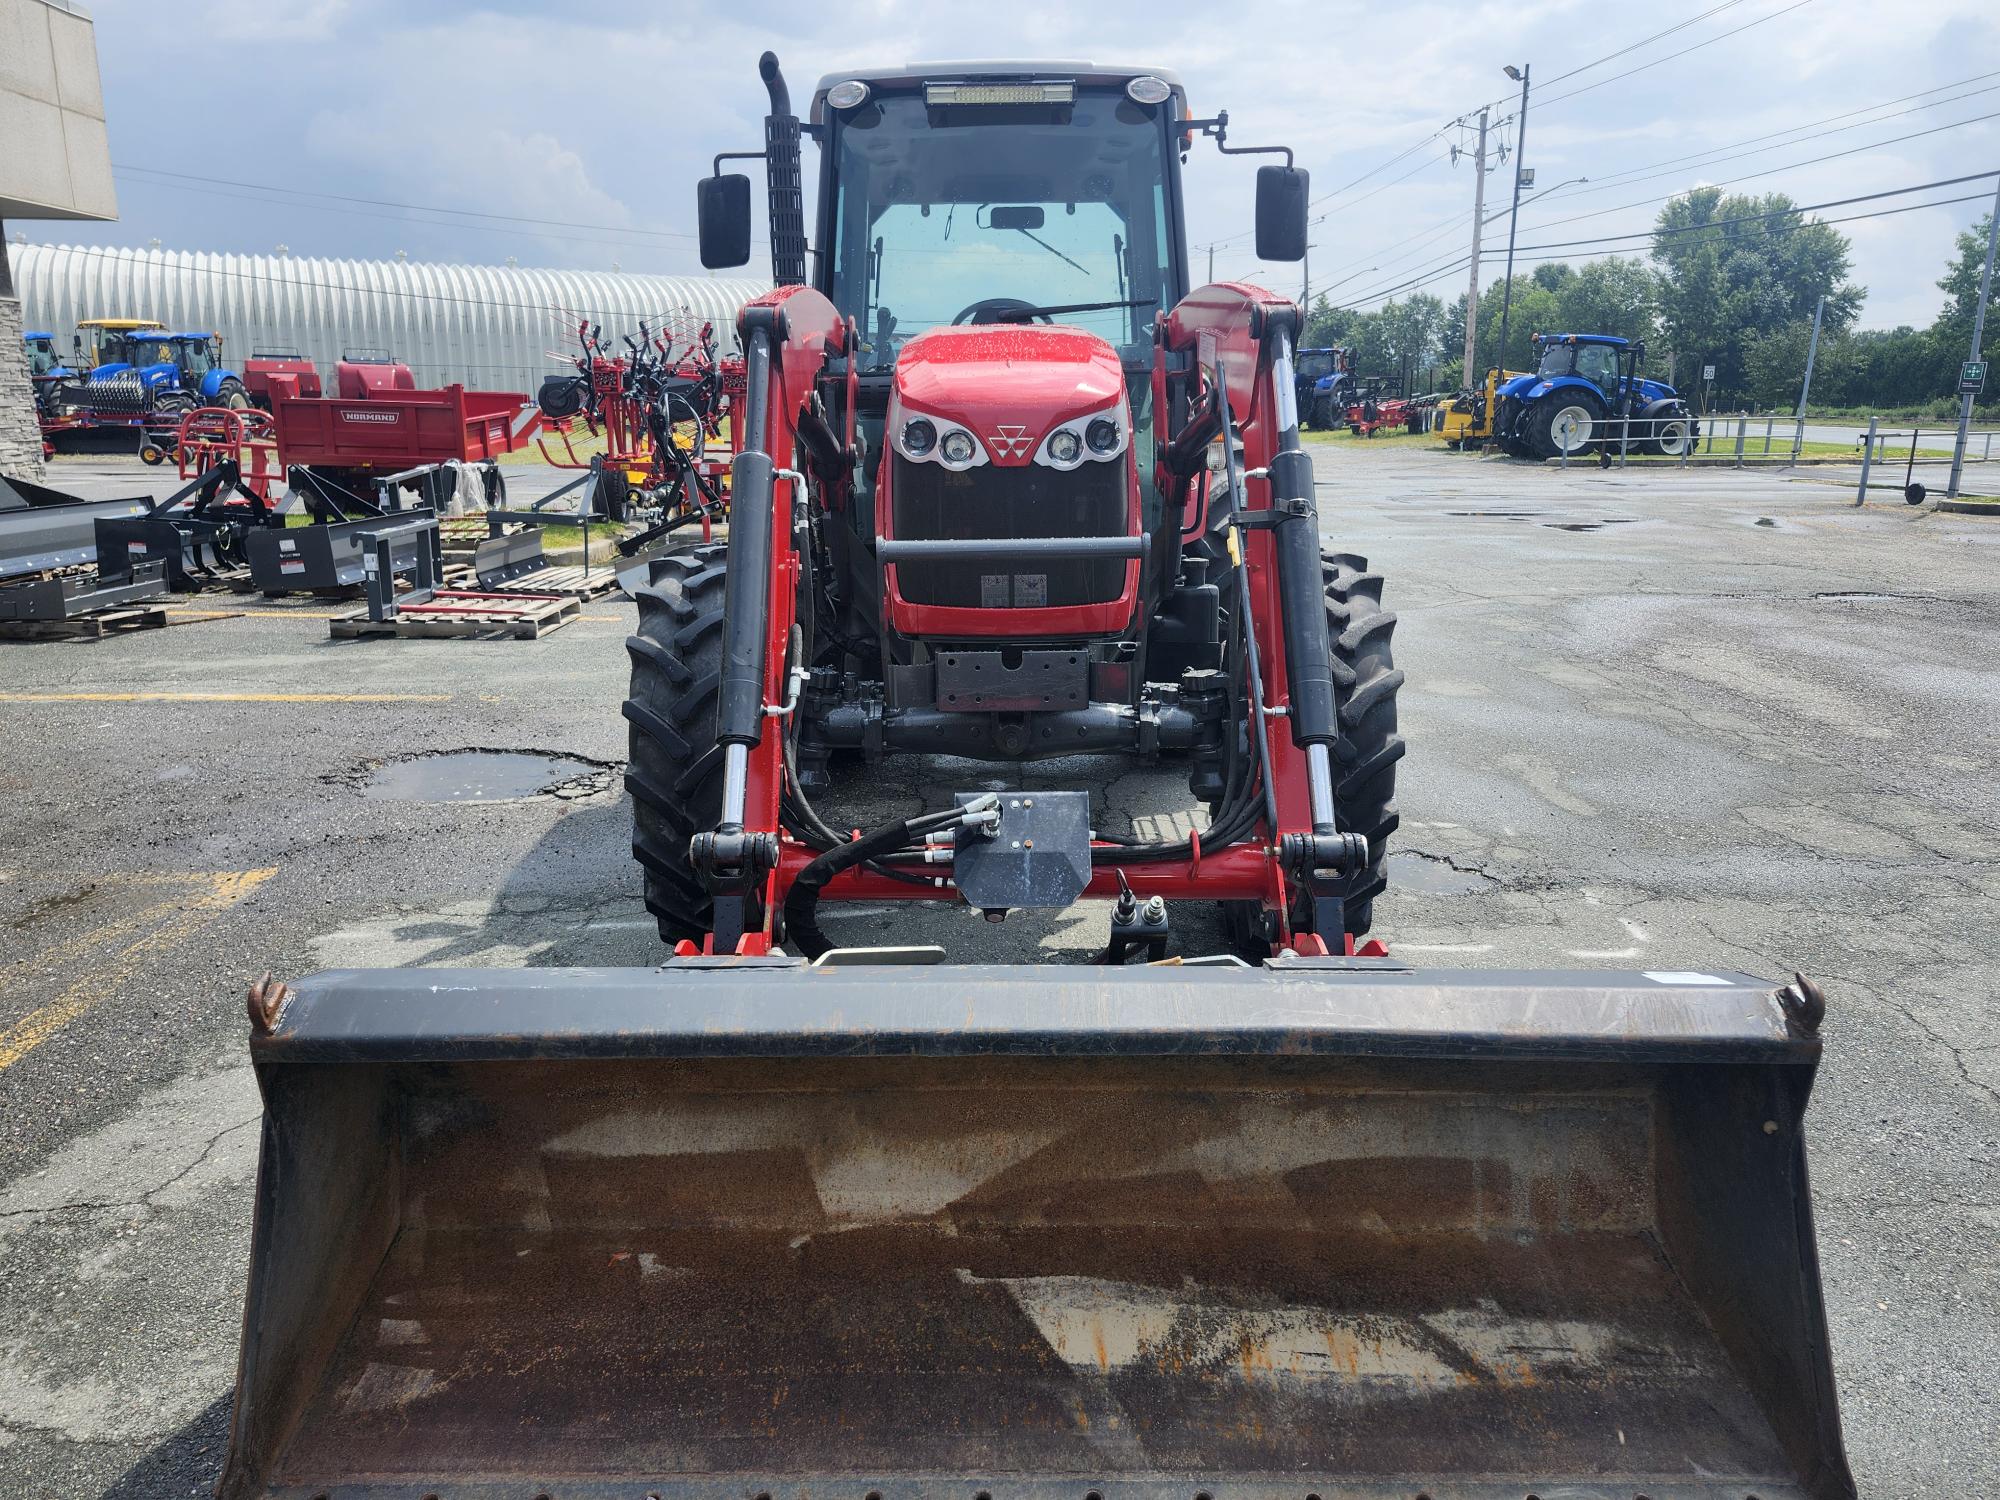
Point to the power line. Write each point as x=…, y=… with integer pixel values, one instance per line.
x=1753, y=176
x=1710, y=42
x=1709, y=157
x=1427, y=278
x=1573, y=72
x=429, y=208
x=1643, y=42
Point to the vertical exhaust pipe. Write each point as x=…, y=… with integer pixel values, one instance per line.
x=783, y=179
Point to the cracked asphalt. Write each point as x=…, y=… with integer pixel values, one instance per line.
x=1657, y=720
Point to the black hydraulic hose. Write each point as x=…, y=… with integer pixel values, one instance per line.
x=802, y=929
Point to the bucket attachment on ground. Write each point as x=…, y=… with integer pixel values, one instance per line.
x=744, y=1227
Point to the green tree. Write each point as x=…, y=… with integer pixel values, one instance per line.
x=1951, y=334
x=1737, y=268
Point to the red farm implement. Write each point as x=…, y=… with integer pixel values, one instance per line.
x=659, y=416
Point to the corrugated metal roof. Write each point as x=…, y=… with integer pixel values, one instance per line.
x=493, y=327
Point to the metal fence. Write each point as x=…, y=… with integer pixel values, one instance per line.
x=1892, y=448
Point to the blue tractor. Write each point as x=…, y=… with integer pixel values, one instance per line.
x=164, y=375
x=1587, y=391
x=1323, y=385
x=53, y=380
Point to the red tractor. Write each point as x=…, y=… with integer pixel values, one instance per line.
x=781, y=1216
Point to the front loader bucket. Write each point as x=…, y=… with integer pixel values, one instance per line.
x=743, y=1229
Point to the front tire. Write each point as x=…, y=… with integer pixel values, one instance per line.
x=1563, y=426
x=675, y=772
x=1366, y=682
x=1359, y=637
x=1673, y=434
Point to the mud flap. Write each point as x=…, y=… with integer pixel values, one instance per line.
x=733, y=1229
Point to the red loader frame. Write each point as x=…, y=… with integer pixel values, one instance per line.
x=791, y=333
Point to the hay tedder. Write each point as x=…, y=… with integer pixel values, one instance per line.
x=783, y=1217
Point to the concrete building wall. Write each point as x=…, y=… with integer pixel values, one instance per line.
x=55, y=159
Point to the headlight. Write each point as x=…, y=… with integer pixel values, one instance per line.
x=919, y=436
x=848, y=95
x=958, y=446
x=1147, y=90
x=1096, y=436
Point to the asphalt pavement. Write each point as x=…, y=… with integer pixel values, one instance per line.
x=1657, y=720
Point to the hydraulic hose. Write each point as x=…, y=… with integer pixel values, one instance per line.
x=802, y=929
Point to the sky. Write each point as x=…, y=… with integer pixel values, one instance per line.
x=578, y=131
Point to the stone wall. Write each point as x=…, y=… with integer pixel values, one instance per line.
x=20, y=434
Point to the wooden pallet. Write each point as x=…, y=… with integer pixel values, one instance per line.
x=569, y=583
x=465, y=614
x=89, y=627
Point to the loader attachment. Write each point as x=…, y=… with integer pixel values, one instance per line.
x=745, y=1228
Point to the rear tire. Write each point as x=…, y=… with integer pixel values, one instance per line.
x=675, y=772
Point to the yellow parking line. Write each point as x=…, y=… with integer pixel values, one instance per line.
x=225, y=697
x=184, y=918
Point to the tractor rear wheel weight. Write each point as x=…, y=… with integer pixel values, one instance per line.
x=675, y=771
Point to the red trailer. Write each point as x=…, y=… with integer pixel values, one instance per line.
x=394, y=428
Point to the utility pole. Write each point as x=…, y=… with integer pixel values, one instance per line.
x=1306, y=286
x=1805, y=390
x=1472, y=291
x=1211, y=265
x=1978, y=332
x=1514, y=214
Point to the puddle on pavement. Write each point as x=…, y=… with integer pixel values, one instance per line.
x=1574, y=525
x=1434, y=877
x=484, y=776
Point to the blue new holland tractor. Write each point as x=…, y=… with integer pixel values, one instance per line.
x=1587, y=391
x=164, y=374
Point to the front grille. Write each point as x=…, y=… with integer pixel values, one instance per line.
x=932, y=503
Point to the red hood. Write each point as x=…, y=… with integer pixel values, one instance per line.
x=1009, y=383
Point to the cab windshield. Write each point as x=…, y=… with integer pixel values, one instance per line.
x=41, y=357
x=150, y=352
x=1313, y=363
x=965, y=214
x=1556, y=360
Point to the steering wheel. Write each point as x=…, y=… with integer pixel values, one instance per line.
x=989, y=309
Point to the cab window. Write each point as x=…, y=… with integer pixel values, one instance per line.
x=1598, y=363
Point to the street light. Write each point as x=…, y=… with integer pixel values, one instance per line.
x=1571, y=182
x=1519, y=74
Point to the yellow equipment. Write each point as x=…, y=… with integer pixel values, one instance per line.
x=1468, y=416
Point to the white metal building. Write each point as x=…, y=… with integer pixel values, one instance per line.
x=488, y=327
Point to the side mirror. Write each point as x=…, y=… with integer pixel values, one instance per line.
x=76, y=342
x=1281, y=213
x=722, y=216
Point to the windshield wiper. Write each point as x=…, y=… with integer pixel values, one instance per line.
x=1029, y=314
x=1051, y=249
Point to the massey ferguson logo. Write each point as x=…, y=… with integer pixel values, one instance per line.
x=390, y=417
x=1010, y=442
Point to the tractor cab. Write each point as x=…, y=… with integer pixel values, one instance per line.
x=106, y=341
x=44, y=363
